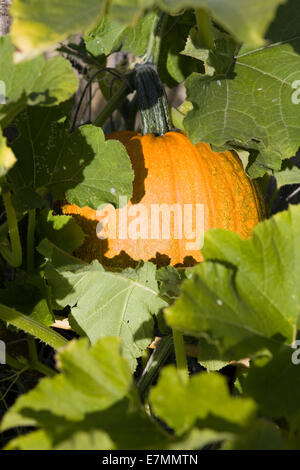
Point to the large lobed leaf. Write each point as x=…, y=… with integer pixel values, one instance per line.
x=205, y=399
x=269, y=380
x=82, y=166
x=261, y=435
x=83, y=406
x=248, y=298
x=229, y=108
x=38, y=24
x=289, y=174
x=110, y=304
x=92, y=379
x=34, y=82
x=247, y=20
x=111, y=35
x=61, y=230
x=254, y=103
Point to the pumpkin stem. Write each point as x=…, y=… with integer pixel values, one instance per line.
x=152, y=100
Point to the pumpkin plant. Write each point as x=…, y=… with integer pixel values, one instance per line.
x=112, y=309
x=169, y=170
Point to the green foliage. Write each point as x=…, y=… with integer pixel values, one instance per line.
x=248, y=298
x=85, y=385
x=27, y=295
x=83, y=166
x=110, y=36
x=216, y=61
x=289, y=174
x=34, y=82
x=263, y=386
x=227, y=107
x=98, y=340
x=262, y=435
x=169, y=280
x=38, y=24
x=31, y=326
x=89, y=398
x=62, y=230
x=110, y=304
x=204, y=399
x=173, y=66
x=7, y=157
x=247, y=21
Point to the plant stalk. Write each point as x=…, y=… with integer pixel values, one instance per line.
x=157, y=359
x=154, y=44
x=25, y=365
x=13, y=230
x=32, y=327
x=30, y=240
x=114, y=103
x=180, y=354
x=205, y=27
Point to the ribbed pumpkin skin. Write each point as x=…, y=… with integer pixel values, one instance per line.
x=169, y=169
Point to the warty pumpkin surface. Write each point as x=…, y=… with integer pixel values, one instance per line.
x=168, y=170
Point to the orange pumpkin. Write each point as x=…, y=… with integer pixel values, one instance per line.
x=170, y=170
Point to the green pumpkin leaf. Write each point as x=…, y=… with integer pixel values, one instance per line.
x=199, y=438
x=261, y=435
x=110, y=304
x=227, y=108
x=248, y=298
x=128, y=11
x=34, y=82
x=110, y=35
x=97, y=431
x=247, y=21
x=89, y=440
x=56, y=256
x=268, y=380
x=217, y=60
x=27, y=295
x=41, y=138
x=174, y=67
x=209, y=355
x=96, y=171
x=31, y=441
x=83, y=406
x=92, y=379
x=169, y=280
x=62, y=230
x=289, y=174
x=39, y=24
x=204, y=398
x=82, y=166
x=104, y=38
